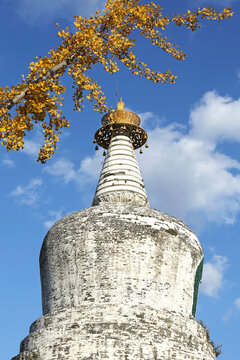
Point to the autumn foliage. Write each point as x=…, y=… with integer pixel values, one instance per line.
x=104, y=38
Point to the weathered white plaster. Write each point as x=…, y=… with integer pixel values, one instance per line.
x=117, y=283
x=115, y=332
x=119, y=254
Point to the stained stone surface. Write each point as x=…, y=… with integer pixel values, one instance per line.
x=118, y=283
x=115, y=332
x=121, y=197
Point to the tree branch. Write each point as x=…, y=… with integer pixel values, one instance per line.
x=46, y=76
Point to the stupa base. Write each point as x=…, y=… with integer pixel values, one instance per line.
x=118, y=333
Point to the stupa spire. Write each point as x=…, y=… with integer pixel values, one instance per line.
x=120, y=179
x=120, y=105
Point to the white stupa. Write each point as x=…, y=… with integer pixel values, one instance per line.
x=119, y=280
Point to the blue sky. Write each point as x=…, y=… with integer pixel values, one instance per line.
x=191, y=169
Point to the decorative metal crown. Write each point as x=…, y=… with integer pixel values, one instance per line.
x=120, y=122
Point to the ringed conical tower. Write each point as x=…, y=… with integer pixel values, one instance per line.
x=120, y=179
x=119, y=280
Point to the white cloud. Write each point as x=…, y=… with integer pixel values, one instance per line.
x=233, y=310
x=89, y=169
x=29, y=194
x=55, y=215
x=227, y=315
x=212, y=279
x=148, y=115
x=87, y=173
x=36, y=12
x=185, y=174
x=216, y=118
x=237, y=303
x=8, y=162
x=238, y=73
x=85, y=177
x=62, y=168
x=31, y=147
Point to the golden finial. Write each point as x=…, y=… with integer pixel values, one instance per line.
x=121, y=121
x=120, y=105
